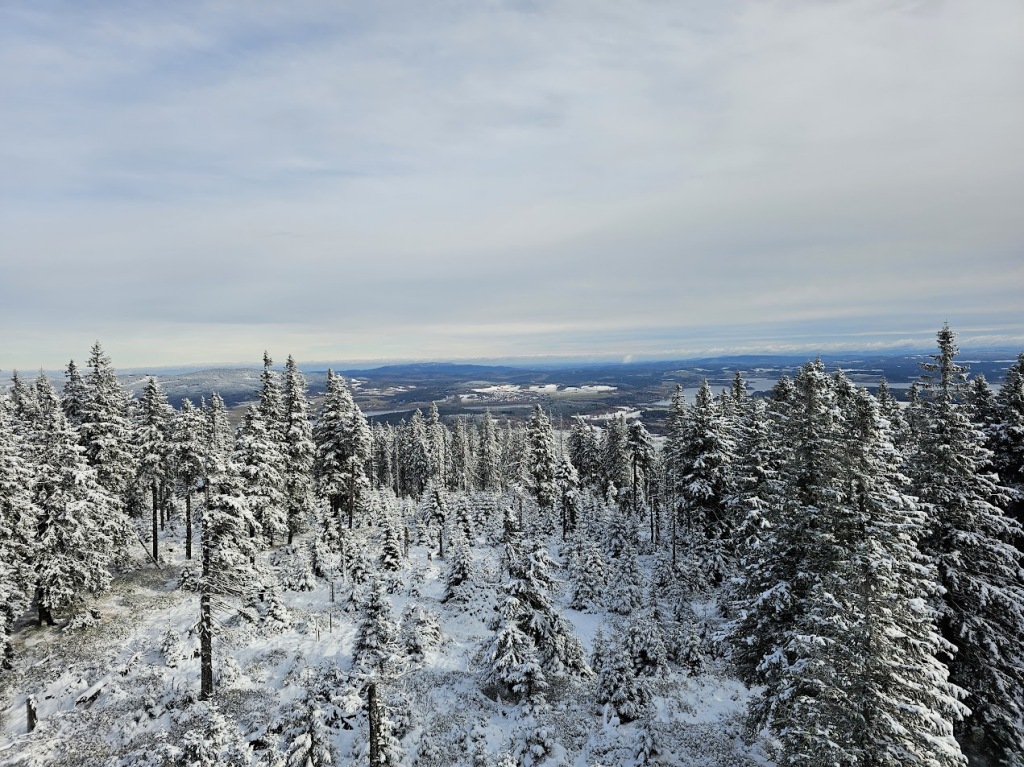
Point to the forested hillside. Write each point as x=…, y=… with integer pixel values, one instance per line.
x=819, y=576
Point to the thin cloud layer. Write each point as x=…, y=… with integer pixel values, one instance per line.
x=194, y=182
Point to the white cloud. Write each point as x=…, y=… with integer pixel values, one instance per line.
x=405, y=180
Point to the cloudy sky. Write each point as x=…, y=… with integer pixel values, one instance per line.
x=195, y=182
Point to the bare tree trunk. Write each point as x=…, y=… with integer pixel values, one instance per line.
x=351, y=498
x=205, y=647
x=675, y=514
x=43, y=612
x=31, y=712
x=205, y=628
x=188, y=524
x=156, y=519
x=374, y=715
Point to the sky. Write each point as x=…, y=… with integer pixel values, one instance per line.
x=197, y=182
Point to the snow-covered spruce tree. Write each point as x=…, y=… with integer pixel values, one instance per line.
x=460, y=457
x=644, y=639
x=704, y=467
x=541, y=460
x=906, y=705
x=153, y=448
x=209, y=739
x=615, y=455
x=515, y=450
x=433, y=513
x=390, y=559
x=568, y=483
x=307, y=737
x=437, y=446
x=188, y=454
x=625, y=591
x=850, y=675
x=488, y=471
x=414, y=456
x=74, y=395
x=641, y=462
x=463, y=518
x=969, y=540
x=530, y=583
x=459, y=576
x=261, y=467
x=227, y=552
x=219, y=436
x=513, y=663
x=17, y=529
x=587, y=572
x=777, y=574
x=419, y=631
x=376, y=641
x=620, y=535
x=105, y=431
x=673, y=455
x=271, y=401
x=343, y=441
x=618, y=685
x=1007, y=438
x=756, y=486
x=77, y=526
x=583, y=450
x=297, y=450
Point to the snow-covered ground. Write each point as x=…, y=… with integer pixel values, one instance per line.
x=124, y=691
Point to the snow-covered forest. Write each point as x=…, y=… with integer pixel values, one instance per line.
x=821, y=576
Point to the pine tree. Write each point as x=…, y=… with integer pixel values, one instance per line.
x=271, y=401
x=189, y=455
x=210, y=740
x=776, y=573
x=227, y=552
x=541, y=464
x=105, y=428
x=419, y=631
x=77, y=525
x=376, y=640
x=1007, y=437
x=309, y=739
x=488, y=470
x=74, y=396
x=415, y=468
x=298, y=451
x=460, y=458
x=641, y=461
x=583, y=451
x=514, y=456
x=617, y=684
x=17, y=525
x=512, y=659
x=153, y=448
x=530, y=582
x=645, y=642
x=343, y=441
x=459, y=576
x=261, y=468
x=391, y=549
x=968, y=539
x=437, y=446
x=705, y=471
x=906, y=705
x=615, y=453
x=587, y=571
